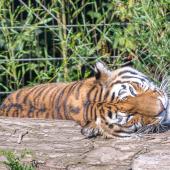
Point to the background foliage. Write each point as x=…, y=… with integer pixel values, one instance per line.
x=60, y=40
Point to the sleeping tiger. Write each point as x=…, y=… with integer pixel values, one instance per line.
x=113, y=103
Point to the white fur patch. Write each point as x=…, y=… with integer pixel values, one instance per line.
x=98, y=121
x=101, y=67
x=167, y=115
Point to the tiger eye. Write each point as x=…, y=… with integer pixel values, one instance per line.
x=110, y=114
x=111, y=126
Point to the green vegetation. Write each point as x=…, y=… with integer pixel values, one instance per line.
x=13, y=162
x=79, y=33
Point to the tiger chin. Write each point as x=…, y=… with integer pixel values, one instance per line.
x=113, y=103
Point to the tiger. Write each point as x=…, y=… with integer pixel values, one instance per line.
x=112, y=103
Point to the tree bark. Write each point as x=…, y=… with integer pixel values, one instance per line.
x=58, y=144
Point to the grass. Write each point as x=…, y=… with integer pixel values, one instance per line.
x=34, y=34
x=13, y=161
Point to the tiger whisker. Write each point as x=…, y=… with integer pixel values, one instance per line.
x=143, y=129
x=164, y=84
x=156, y=73
x=152, y=128
x=157, y=129
x=161, y=72
x=164, y=128
x=160, y=129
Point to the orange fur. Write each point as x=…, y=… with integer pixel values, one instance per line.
x=87, y=102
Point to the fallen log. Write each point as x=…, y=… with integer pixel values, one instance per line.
x=58, y=144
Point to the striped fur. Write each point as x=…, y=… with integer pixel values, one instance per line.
x=113, y=103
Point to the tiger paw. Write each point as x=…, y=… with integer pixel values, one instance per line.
x=90, y=132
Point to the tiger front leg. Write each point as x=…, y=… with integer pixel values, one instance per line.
x=115, y=124
x=92, y=126
x=103, y=129
x=96, y=127
x=90, y=130
x=100, y=127
x=101, y=122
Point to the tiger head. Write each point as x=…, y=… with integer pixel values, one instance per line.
x=131, y=102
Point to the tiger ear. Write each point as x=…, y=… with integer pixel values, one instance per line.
x=102, y=72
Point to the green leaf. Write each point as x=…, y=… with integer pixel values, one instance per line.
x=93, y=15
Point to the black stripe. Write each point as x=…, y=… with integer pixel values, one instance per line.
x=131, y=90
x=42, y=108
x=85, y=110
x=123, y=86
x=57, y=107
x=88, y=112
x=106, y=95
x=127, y=71
x=8, y=98
x=116, y=82
x=19, y=94
x=74, y=109
x=133, y=73
x=76, y=86
x=121, y=92
x=3, y=106
x=95, y=114
x=14, y=105
x=113, y=96
x=31, y=91
x=71, y=87
x=47, y=115
x=122, y=131
x=31, y=107
x=129, y=77
x=91, y=112
x=47, y=90
x=85, y=115
x=102, y=111
x=90, y=91
x=100, y=95
x=110, y=114
x=95, y=96
x=53, y=96
x=80, y=84
x=37, y=95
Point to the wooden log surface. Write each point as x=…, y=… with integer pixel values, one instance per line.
x=58, y=144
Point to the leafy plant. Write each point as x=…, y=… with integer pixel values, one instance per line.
x=14, y=162
x=50, y=41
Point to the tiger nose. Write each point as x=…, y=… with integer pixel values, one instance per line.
x=164, y=101
x=161, y=106
x=154, y=107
